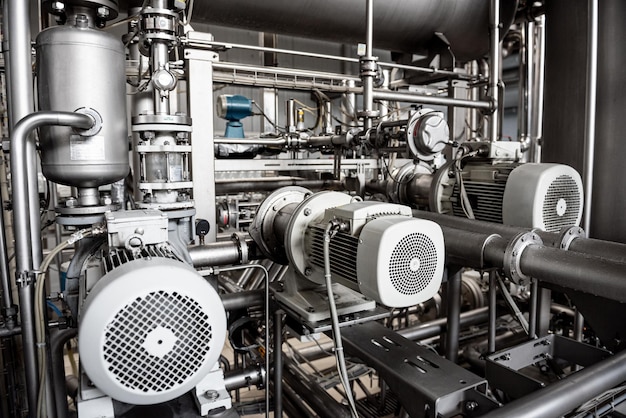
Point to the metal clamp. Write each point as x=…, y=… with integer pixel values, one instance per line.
x=239, y=238
x=482, y=250
x=513, y=255
x=568, y=235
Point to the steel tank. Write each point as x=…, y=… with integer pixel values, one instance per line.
x=82, y=69
x=399, y=25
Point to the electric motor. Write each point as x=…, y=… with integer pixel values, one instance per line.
x=531, y=195
x=380, y=250
x=151, y=328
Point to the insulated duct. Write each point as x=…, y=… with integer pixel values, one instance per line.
x=399, y=25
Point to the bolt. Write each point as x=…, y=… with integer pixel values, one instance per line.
x=106, y=200
x=310, y=309
x=471, y=405
x=139, y=231
x=307, y=212
x=308, y=271
x=58, y=6
x=103, y=12
x=211, y=395
x=71, y=202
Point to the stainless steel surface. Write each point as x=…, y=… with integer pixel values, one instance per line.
x=495, y=66
x=250, y=376
x=23, y=207
x=94, y=62
x=432, y=100
x=199, y=99
x=399, y=25
x=221, y=253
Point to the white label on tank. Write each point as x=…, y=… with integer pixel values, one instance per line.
x=87, y=149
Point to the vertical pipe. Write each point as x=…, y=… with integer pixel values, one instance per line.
x=160, y=60
x=21, y=91
x=493, y=289
x=473, y=94
x=54, y=202
x=540, y=74
x=532, y=315
x=590, y=110
x=6, y=34
x=454, y=316
x=278, y=363
x=579, y=323
x=7, y=291
x=529, y=39
x=348, y=105
x=522, y=104
x=22, y=184
x=368, y=79
x=543, y=312
x=494, y=69
x=291, y=115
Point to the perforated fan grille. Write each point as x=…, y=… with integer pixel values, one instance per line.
x=563, y=187
x=133, y=366
x=413, y=263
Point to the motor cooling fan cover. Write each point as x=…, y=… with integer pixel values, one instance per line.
x=150, y=330
x=544, y=196
x=400, y=260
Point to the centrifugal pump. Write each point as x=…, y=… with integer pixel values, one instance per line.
x=376, y=249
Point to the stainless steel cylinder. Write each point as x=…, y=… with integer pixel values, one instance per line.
x=399, y=25
x=83, y=68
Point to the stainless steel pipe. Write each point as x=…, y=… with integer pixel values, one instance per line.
x=215, y=254
x=432, y=100
x=269, y=184
x=436, y=327
x=495, y=65
x=24, y=182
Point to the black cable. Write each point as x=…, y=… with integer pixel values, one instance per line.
x=268, y=118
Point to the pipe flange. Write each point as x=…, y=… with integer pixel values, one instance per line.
x=97, y=122
x=239, y=238
x=568, y=235
x=262, y=227
x=513, y=255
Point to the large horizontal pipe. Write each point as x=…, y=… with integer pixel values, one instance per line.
x=563, y=396
x=604, y=249
x=399, y=25
x=231, y=186
x=583, y=272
